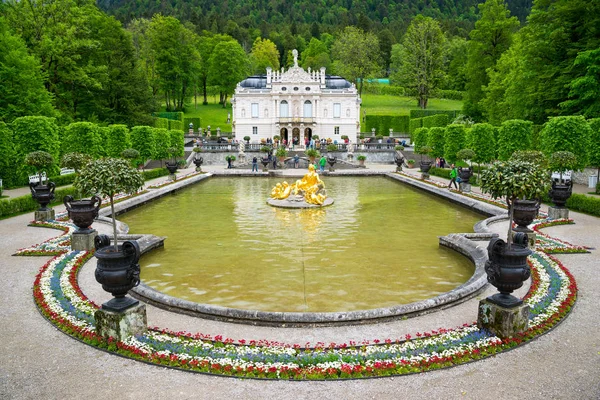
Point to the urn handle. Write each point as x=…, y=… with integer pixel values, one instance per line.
x=52, y=186
x=101, y=241
x=67, y=202
x=131, y=247
x=96, y=199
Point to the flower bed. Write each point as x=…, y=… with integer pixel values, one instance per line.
x=166, y=183
x=57, y=295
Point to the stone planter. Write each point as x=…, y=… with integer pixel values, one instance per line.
x=198, y=163
x=524, y=212
x=265, y=162
x=507, y=269
x=425, y=166
x=43, y=194
x=560, y=193
x=171, y=167
x=465, y=174
x=399, y=160
x=83, y=212
x=118, y=271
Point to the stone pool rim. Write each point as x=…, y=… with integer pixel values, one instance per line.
x=465, y=244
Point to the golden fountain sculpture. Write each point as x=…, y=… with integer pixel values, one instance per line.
x=310, y=187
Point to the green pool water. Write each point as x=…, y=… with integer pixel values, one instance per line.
x=376, y=246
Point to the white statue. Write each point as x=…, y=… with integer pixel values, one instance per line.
x=295, y=54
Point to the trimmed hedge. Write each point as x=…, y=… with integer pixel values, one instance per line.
x=193, y=120
x=175, y=125
x=383, y=123
x=384, y=89
x=450, y=94
x=452, y=114
x=154, y=173
x=62, y=180
x=19, y=205
x=585, y=204
x=161, y=123
x=598, y=188
x=435, y=120
x=177, y=116
x=414, y=124
x=441, y=172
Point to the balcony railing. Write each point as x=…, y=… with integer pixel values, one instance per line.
x=297, y=120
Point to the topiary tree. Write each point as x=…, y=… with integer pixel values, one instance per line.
x=514, y=135
x=34, y=134
x=594, y=149
x=481, y=139
x=419, y=138
x=436, y=139
x=40, y=160
x=532, y=156
x=75, y=161
x=142, y=140
x=455, y=140
x=570, y=133
x=7, y=161
x=177, y=141
x=163, y=144
x=108, y=177
x=466, y=154
x=82, y=137
x=514, y=180
x=117, y=140
x=561, y=162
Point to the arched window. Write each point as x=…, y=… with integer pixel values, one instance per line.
x=307, y=109
x=283, y=109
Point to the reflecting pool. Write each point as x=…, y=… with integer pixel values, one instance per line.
x=377, y=246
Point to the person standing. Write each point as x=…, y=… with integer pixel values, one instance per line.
x=254, y=164
x=453, y=175
x=296, y=161
x=322, y=163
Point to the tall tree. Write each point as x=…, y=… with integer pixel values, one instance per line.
x=585, y=90
x=386, y=41
x=456, y=78
x=264, y=54
x=206, y=44
x=228, y=65
x=21, y=79
x=356, y=55
x=491, y=37
x=316, y=55
x=422, y=58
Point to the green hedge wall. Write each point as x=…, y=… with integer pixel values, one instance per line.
x=155, y=173
x=435, y=120
x=383, y=123
x=194, y=120
x=18, y=205
x=452, y=114
x=177, y=116
x=62, y=180
x=178, y=125
x=585, y=204
x=414, y=124
x=450, y=94
x=161, y=123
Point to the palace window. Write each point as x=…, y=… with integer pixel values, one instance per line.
x=255, y=130
x=336, y=130
x=337, y=110
x=307, y=109
x=283, y=109
x=254, y=110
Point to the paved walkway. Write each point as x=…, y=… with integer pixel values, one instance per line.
x=40, y=362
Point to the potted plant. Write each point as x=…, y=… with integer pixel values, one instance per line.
x=332, y=147
x=172, y=166
x=276, y=139
x=43, y=194
x=198, y=161
x=281, y=153
x=82, y=211
x=399, y=148
x=561, y=162
x=410, y=163
x=247, y=139
x=379, y=138
x=230, y=159
x=507, y=265
x=132, y=155
x=312, y=154
x=117, y=269
x=361, y=159
x=424, y=165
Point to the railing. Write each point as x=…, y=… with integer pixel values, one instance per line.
x=289, y=120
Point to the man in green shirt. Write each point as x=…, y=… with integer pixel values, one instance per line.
x=453, y=175
x=322, y=163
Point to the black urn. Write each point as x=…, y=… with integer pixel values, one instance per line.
x=43, y=194
x=118, y=271
x=198, y=162
x=560, y=193
x=171, y=167
x=399, y=160
x=425, y=166
x=331, y=160
x=465, y=174
x=83, y=212
x=507, y=269
x=524, y=212
x=265, y=161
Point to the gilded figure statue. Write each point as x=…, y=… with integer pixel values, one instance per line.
x=310, y=187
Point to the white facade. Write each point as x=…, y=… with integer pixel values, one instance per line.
x=295, y=104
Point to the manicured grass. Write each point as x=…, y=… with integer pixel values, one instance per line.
x=376, y=104
x=212, y=114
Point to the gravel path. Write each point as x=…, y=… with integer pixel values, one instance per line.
x=40, y=362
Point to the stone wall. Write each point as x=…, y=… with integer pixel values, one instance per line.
x=582, y=177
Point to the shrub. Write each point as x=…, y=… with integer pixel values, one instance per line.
x=22, y=204
x=532, y=156
x=361, y=157
x=383, y=123
x=161, y=123
x=34, y=134
x=436, y=139
x=247, y=138
x=435, y=120
x=455, y=139
x=82, y=137
x=312, y=153
x=281, y=152
x=193, y=120
x=420, y=139
x=163, y=143
x=178, y=116
x=570, y=133
x=142, y=140
x=332, y=147
x=117, y=139
x=514, y=135
x=450, y=94
x=175, y=125
x=441, y=172
x=481, y=139
x=598, y=188
x=414, y=124
x=585, y=204
x=63, y=180
x=452, y=114
x=155, y=173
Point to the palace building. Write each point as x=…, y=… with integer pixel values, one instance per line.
x=295, y=104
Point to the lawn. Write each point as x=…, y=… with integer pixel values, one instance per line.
x=215, y=115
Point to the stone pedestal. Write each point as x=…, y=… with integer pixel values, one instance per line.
x=465, y=187
x=398, y=169
x=198, y=169
x=502, y=322
x=424, y=175
x=46, y=215
x=531, y=236
x=172, y=177
x=331, y=169
x=120, y=325
x=558, y=213
x=83, y=241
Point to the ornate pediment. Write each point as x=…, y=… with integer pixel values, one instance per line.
x=295, y=75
